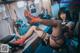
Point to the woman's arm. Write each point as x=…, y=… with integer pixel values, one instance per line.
x=33, y=19
x=44, y=21
x=70, y=25
x=48, y=22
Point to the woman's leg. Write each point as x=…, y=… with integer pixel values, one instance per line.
x=22, y=39
x=30, y=31
x=34, y=29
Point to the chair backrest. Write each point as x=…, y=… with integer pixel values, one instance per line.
x=5, y=29
x=76, y=28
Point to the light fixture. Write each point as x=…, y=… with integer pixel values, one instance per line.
x=36, y=1
x=45, y=0
x=21, y=4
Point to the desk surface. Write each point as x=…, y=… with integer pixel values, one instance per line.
x=29, y=42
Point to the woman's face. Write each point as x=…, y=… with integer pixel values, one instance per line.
x=63, y=16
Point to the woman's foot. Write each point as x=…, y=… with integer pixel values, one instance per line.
x=20, y=40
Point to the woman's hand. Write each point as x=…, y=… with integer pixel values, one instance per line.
x=35, y=20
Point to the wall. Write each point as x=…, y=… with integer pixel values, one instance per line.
x=5, y=28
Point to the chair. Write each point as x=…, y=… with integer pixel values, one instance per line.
x=5, y=32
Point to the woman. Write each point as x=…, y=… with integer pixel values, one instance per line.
x=56, y=39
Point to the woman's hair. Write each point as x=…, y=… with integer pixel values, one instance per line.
x=68, y=17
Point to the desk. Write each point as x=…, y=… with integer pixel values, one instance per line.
x=32, y=42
